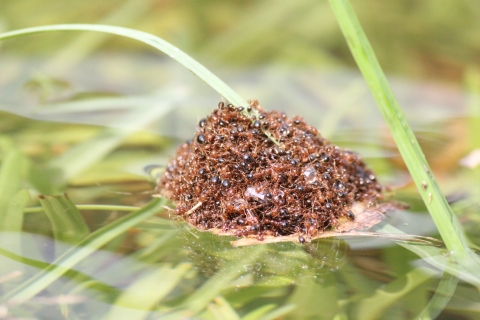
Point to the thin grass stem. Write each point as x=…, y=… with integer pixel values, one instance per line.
x=444, y=219
x=100, y=207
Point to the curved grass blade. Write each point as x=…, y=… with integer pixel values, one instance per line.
x=374, y=307
x=71, y=163
x=443, y=294
x=80, y=277
x=67, y=222
x=105, y=207
x=11, y=219
x=280, y=312
x=12, y=172
x=137, y=300
x=437, y=257
x=444, y=219
x=13, y=200
x=154, y=41
x=259, y=312
x=220, y=309
x=87, y=246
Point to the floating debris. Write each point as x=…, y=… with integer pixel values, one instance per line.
x=266, y=175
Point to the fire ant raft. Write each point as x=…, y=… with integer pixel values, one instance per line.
x=262, y=175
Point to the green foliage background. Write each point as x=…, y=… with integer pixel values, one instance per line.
x=102, y=252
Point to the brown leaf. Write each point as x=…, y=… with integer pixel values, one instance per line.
x=364, y=219
x=328, y=234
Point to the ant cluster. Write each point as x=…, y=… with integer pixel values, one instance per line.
x=252, y=172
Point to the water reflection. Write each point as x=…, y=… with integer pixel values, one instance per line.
x=178, y=271
x=282, y=261
x=181, y=272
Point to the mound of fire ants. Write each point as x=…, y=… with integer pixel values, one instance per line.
x=249, y=172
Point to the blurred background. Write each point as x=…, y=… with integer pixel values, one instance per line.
x=418, y=39
x=63, y=95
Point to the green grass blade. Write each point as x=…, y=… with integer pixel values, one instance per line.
x=280, y=312
x=12, y=255
x=446, y=289
x=105, y=207
x=67, y=222
x=375, y=306
x=221, y=309
x=12, y=218
x=137, y=301
x=437, y=257
x=12, y=171
x=87, y=246
x=11, y=221
x=149, y=39
x=12, y=199
x=407, y=144
x=84, y=279
x=259, y=312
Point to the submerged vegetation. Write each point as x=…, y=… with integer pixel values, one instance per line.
x=108, y=251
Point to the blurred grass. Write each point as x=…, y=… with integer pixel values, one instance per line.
x=291, y=281
x=422, y=40
x=84, y=248
x=66, y=220
x=446, y=222
x=376, y=305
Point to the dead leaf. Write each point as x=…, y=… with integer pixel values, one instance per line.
x=364, y=218
x=247, y=241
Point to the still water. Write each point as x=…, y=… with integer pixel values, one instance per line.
x=92, y=139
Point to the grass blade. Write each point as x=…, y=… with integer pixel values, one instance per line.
x=437, y=257
x=85, y=279
x=12, y=218
x=137, y=301
x=221, y=310
x=12, y=171
x=105, y=207
x=87, y=246
x=374, y=307
x=67, y=222
x=279, y=313
x=259, y=312
x=446, y=222
x=446, y=289
x=149, y=39
x=12, y=199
